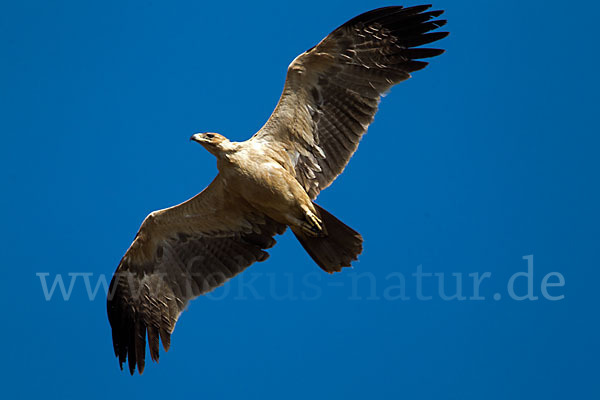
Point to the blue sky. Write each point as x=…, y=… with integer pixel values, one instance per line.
x=487, y=156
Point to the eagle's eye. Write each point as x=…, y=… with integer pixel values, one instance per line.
x=209, y=136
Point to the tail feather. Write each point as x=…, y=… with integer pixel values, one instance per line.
x=337, y=249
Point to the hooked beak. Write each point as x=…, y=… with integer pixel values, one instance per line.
x=197, y=138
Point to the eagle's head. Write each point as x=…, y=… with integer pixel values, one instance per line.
x=213, y=142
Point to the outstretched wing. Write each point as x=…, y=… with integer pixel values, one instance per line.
x=332, y=91
x=178, y=254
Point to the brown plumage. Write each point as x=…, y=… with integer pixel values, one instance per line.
x=269, y=182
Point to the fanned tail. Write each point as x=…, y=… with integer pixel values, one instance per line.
x=337, y=249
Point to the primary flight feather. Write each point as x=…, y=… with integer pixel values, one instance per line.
x=269, y=182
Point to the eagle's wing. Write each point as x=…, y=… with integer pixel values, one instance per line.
x=180, y=253
x=332, y=91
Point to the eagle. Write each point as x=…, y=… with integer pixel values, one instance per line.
x=270, y=181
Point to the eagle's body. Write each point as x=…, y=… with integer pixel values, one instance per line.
x=269, y=182
x=264, y=177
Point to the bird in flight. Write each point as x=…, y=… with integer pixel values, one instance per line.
x=268, y=182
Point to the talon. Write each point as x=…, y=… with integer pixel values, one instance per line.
x=314, y=225
x=316, y=222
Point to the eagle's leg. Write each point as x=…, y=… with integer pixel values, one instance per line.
x=312, y=224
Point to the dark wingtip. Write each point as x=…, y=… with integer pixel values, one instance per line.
x=440, y=22
x=420, y=53
x=132, y=362
x=165, y=338
x=412, y=66
x=417, y=9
